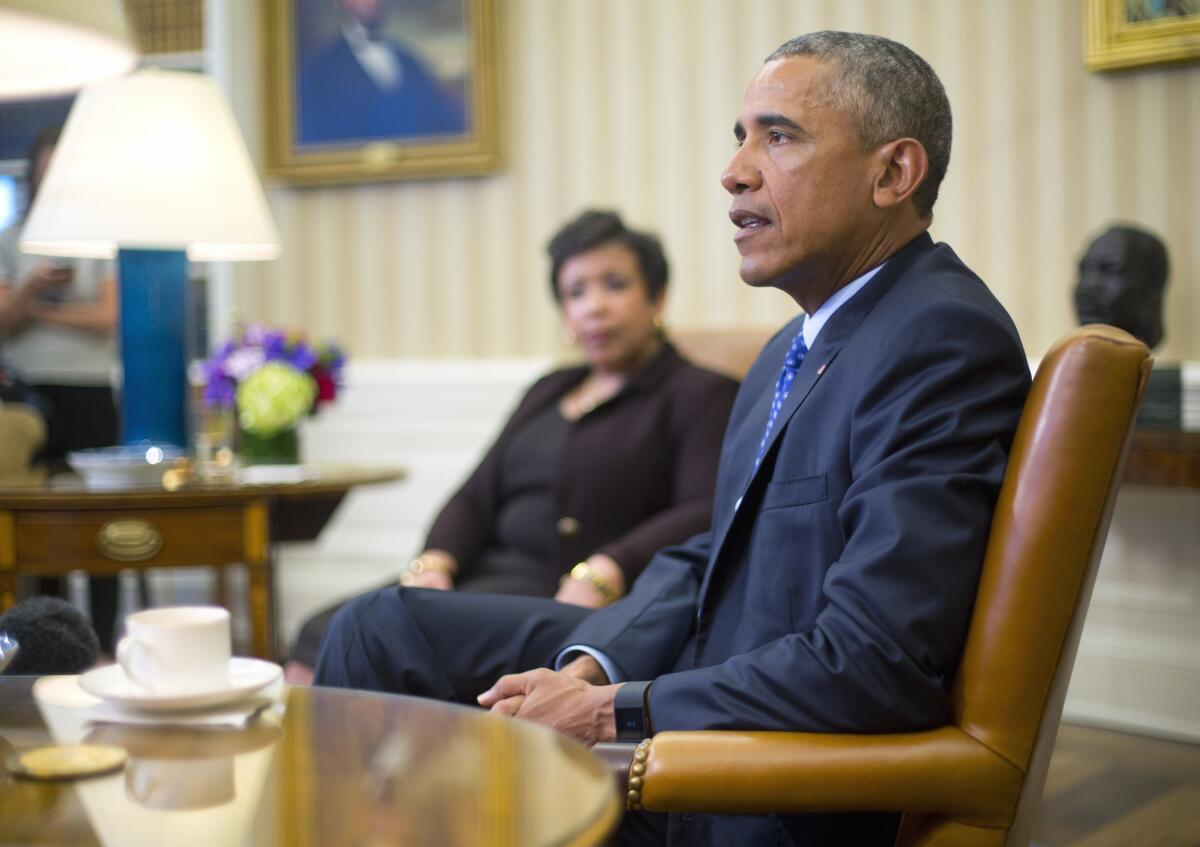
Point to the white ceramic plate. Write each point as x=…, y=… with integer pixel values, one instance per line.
x=245, y=677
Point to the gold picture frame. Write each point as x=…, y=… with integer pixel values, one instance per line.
x=330, y=121
x=1135, y=33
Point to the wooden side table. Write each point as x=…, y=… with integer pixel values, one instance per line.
x=60, y=525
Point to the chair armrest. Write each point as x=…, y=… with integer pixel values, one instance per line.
x=942, y=771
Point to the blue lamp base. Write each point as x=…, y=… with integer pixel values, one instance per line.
x=154, y=286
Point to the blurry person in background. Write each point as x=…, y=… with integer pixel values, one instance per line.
x=601, y=464
x=58, y=318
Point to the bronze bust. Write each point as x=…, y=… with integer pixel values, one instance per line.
x=1121, y=281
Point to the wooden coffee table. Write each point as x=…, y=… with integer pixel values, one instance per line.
x=52, y=526
x=338, y=768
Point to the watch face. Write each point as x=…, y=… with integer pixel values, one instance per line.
x=629, y=712
x=629, y=724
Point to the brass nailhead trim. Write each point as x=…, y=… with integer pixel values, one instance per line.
x=633, y=800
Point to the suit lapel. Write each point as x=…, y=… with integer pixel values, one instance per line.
x=817, y=365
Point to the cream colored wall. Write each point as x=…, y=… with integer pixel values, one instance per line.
x=629, y=103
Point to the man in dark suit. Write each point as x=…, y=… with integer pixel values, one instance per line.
x=858, y=473
x=364, y=86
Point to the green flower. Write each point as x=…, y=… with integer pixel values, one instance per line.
x=274, y=398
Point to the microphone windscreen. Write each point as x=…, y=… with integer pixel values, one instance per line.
x=54, y=637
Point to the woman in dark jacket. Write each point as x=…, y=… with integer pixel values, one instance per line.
x=601, y=464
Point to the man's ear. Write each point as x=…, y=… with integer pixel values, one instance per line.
x=904, y=164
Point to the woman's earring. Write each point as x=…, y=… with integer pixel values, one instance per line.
x=660, y=326
x=568, y=337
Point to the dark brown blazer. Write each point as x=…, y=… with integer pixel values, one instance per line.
x=637, y=472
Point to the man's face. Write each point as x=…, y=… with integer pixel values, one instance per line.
x=800, y=179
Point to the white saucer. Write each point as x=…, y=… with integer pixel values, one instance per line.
x=245, y=677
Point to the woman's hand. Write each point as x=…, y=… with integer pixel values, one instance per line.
x=582, y=592
x=579, y=592
x=432, y=569
x=431, y=579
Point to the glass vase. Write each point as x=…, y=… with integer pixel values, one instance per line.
x=282, y=448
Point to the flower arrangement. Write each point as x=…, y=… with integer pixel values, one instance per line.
x=272, y=377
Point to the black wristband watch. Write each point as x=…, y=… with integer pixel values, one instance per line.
x=631, y=713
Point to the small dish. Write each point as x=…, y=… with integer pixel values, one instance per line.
x=246, y=676
x=121, y=467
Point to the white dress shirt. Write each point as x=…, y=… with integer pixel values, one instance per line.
x=377, y=57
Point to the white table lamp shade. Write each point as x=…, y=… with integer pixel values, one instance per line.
x=151, y=161
x=55, y=46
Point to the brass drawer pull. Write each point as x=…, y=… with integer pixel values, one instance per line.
x=129, y=540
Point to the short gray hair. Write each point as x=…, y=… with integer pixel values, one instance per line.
x=889, y=91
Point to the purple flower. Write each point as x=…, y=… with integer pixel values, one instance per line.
x=242, y=362
x=256, y=344
x=220, y=392
x=302, y=357
x=256, y=335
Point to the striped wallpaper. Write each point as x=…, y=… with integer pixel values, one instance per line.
x=630, y=103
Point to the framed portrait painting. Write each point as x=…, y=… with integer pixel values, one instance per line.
x=1132, y=33
x=366, y=90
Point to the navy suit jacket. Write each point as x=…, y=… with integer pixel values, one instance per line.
x=833, y=592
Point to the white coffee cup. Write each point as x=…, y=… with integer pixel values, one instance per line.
x=177, y=649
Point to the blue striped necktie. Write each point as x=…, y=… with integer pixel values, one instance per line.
x=791, y=364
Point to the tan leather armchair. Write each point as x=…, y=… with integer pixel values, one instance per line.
x=728, y=351
x=978, y=780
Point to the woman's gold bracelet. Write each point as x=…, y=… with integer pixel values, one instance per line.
x=425, y=564
x=592, y=577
